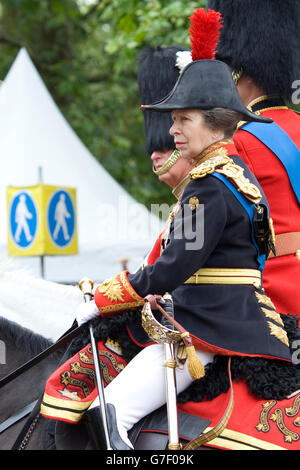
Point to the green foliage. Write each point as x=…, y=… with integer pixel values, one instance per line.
x=87, y=56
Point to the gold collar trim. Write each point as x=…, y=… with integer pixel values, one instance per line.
x=269, y=107
x=257, y=100
x=212, y=151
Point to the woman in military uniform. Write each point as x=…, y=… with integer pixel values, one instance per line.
x=212, y=262
x=212, y=266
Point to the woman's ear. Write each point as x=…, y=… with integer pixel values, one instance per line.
x=218, y=135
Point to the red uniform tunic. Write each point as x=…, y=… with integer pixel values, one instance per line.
x=281, y=274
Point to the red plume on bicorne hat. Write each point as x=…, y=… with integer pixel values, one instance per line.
x=204, y=33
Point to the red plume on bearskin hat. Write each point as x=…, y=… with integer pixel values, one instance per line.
x=262, y=39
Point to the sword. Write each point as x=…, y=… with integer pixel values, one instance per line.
x=171, y=390
x=86, y=286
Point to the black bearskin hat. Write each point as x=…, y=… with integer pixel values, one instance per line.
x=157, y=75
x=261, y=38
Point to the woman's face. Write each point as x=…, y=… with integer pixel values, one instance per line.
x=191, y=134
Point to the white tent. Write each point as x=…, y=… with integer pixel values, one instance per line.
x=34, y=134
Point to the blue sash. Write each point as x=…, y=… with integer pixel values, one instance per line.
x=277, y=140
x=249, y=208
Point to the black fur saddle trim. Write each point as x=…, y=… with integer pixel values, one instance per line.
x=266, y=379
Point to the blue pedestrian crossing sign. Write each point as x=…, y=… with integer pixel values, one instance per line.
x=61, y=218
x=23, y=219
x=41, y=220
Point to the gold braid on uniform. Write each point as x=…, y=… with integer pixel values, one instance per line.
x=224, y=165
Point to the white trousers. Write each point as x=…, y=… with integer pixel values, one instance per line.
x=141, y=387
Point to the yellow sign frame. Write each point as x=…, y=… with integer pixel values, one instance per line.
x=42, y=242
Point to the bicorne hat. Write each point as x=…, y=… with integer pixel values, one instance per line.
x=205, y=84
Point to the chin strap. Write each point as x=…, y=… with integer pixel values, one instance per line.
x=236, y=75
x=175, y=155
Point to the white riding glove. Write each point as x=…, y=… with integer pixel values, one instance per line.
x=86, y=311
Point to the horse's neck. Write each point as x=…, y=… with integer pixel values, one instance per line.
x=20, y=346
x=11, y=359
x=47, y=308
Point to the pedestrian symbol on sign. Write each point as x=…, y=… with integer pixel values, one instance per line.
x=61, y=218
x=23, y=219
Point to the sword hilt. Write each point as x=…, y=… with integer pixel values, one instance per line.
x=86, y=286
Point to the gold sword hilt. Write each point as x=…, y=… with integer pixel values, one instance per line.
x=86, y=286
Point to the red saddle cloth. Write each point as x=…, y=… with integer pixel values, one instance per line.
x=254, y=424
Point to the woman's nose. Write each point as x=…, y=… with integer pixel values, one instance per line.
x=173, y=129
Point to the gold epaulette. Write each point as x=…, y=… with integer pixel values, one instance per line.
x=235, y=173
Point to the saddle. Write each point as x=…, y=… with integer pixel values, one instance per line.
x=150, y=433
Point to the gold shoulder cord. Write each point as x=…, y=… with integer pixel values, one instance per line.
x=233, y=172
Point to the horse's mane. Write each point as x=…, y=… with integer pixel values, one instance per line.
x=23, y=339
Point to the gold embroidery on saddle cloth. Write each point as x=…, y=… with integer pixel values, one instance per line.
x=67, y=379
x=106, y=375
x=232, y=171
x=263, y=424
x=279, y=333
x=293, y=410
x=263, y=299
x=112, y=289
x=77, y=368
x=273, y=315
x=83, y=356
x=277, y=416
x=113, y=346
x=289, y=436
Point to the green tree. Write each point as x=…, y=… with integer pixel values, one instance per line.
x=87, y=56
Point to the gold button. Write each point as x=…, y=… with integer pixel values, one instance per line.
x=193, y=203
